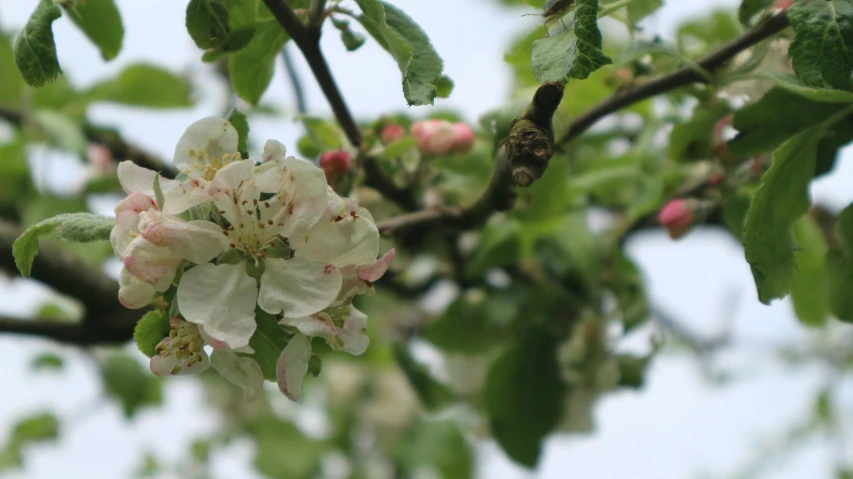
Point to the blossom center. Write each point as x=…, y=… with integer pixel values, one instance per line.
x=184, y=343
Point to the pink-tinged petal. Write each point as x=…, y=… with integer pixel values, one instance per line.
x=234, y=192
x=136, y=179
x=300, y=198
x=185, y=195
x=212, y=134
x=274, y=151
x=133, y=293
x=221, y=298
x=196, y=241
x=342, y=241
x=297, y=287
x=120, y=237
x=318, y=325
x=353, y=334
x=127, y=210
x=242, y=372
x=215, y=343
x=292, y=365
x=153, y=264
x=373, y=272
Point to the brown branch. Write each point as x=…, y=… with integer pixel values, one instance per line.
x=80, y=334
x=679, y=78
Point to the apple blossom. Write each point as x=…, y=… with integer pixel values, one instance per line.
x=391, y=133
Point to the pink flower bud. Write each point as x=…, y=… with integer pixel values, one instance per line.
x=334, y=163
x=391, y=133
x=463, y=139
x=676, y=217
x=783, y=4
x=435, y=137
x=100, y=160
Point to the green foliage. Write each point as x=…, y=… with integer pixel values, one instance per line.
x=324, y=134
x=574, y=53
x=640, y=9
x=62, y=131
x=47, y=361
x=129, y=384
x=149, y=331
x=469, y=327
x=750, y=8
x=268, y=342
x=283, y=450
x=207, y=23
x=437, y=444
x=822, y=50
x=101, y=22
x=41, y=427
x=12, y=85
x=793, y=85
x=143, y=85
x=432, y=394
x=694, y=138
x=809, y=282
x=523, y=397
x=35, y=50
x=240, y=123
x=839, y=267
x=251, y=68
x=72, y=227
x=400, y=36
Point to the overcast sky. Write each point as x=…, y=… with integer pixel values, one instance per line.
x=679, y=426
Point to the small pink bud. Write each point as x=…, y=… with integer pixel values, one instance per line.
x=334, y=163
x=463, y=138
x=435, y=137
x=783, y=4
x=391, y=133
x=716, y=179
x=676, y=217
x=100, y=160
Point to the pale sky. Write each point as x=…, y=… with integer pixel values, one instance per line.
x=679, y=426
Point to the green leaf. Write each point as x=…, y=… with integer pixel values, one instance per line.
x=47, y=361
x=38, y=427
x=207, y=23
x=573, y=53
x=780, y=200
x=809, y=283
x=836, y=137
x=793, y=85
x=465, y=327
x=62, y=130
x=252, y=67
x=640, y=9
x=144, y=85
x=444, y=86
x=750, y=8
x=150, y=330
x=268, y=342
x=400, y=36
x=844, y=230
x=735, y=208
x=432, y=393
x=398, y=147
x=326, y=134
x=778, y=115
x=133, y=387
x=839, y=271
x=435, y=444
x=694, y=139
x=523, y=397
x=35, y=51
x=12, y=85
x=822, y=50
x=72, y=227
x=282, y=450
x=100, y=21
x=240, y=123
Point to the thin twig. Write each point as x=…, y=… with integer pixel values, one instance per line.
x=295, y=81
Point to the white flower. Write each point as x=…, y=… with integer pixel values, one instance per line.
x=292, y=366
x=222, y=297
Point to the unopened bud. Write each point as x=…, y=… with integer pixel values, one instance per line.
x=676, y=217
x=333, y=163
x=463, y=138
x=783, y=4
x=391, y=133
x=435, y=137
x=100, y=160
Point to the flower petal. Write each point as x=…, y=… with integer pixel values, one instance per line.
x=165, y=365
x=274, y=151
x=136, y=179
x=297, y=287
x=372, y=272
x=133, y=293
x=352, y=334
x=196, y=241
x=242, y=372
x=300, y=198
x=186, y=194
x=349, y=240
x=212, y=134
x=221, y=298
x=151, y=263
x=292, y=365
x=233, y=191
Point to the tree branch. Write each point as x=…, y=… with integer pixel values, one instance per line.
x=79, y=334
x=679, y=78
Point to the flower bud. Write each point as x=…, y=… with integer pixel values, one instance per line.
x=783, y=4
x=334, y=163
x=676, y=217
x=391, y=133
x=435, y=137
x=100, y=160
x=463, y=138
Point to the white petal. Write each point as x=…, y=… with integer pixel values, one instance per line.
x=233, y=191
x=300, y=198
x=372, y=272
x=221, y=298
x=127, y=210
x=297, y=287
x=350, y=240
x=352, y=334
x=274, y=151
x=133, y=293
x=184, y=195
x=120, y=237
x=318, y=325
x=292, y=365
x=213, y=134
x=196, y=241
x=136, y=179
x=240, y=371
x=151, y=263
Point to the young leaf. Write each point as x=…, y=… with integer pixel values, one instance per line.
x=400, y=36
x=126, y=381
x=324, y=133
x=809, y=284
x=793, y=85
x=822, y=50
x=72, y=227
x=251, y=68
x=573, y=53
x=839, y=268
x=144, y=85
x=12, y=85
x=432, y=393
x=268, y=342
x=464, y=328
x=207, y=23
x=150, y=330
x=47, y=361
x=524, y=397
x=750, y=8
x=101, y=22
x=35, y=51
x=640, y=9
x=240, y=123
x=767, y=123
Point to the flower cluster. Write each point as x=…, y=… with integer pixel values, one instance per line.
x=439, y=137
x=229, y=238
